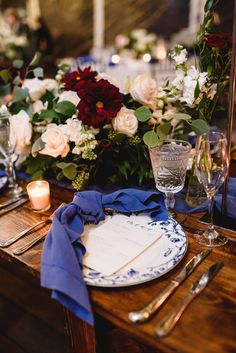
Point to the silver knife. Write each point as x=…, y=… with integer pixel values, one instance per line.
x=13, y=206
x=168, y=322
x=11, y=201
x=149, y=310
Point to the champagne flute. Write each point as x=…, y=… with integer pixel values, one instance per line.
x=7, y=151
x=169, y=165
x=211, y=163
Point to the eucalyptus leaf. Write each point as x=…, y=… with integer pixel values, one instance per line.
x=151, y=139
x=5, y=75
x=38, y=72
x=66, y=108
x=37, y=146
x=69, y=170
x=163, y=130
x=19, y=93
x=48, y=114
x=200, y=126
x=17, y=81
x=36, y=59
x=143, y=114
x=18, y=63
x=181, y=116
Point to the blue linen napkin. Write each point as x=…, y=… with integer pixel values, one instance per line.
x=61, y=265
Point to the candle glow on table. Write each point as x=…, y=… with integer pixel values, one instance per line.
x=39, y=195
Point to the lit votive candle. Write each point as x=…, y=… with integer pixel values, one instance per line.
x=39, y=195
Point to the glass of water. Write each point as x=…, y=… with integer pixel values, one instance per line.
x=169, y=165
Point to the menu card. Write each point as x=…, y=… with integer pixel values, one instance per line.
x=115, y=242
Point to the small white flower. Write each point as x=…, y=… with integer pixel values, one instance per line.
x=20, y=131
x=143, y=89
x=56, y=142
x=179, y=80
x=69, y=96
x=72, y=129
x=121, y=41
x=125, y=122
x=36, y=88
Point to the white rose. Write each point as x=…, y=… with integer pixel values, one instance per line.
x=55, y=141
x=50, y=84
x=20, y=131
x=38, y=106
x=69, y=96
x=143, y=89
x=125, y=122
x=36, y=88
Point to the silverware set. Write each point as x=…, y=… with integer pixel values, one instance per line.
x=167, y=324
x=32, y=239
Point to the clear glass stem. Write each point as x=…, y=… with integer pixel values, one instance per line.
x=10, y=170
x=169, y=200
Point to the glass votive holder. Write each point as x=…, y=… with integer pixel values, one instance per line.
x=39, y=195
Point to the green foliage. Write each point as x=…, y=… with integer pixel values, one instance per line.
x=19, y=94
x=143, y=114
x=38, y=72
x=151, y=139
x=18, y=64
x=36, y=59
x=69, y=170
x=66, y=108
x=5, y=75
x=200, y=126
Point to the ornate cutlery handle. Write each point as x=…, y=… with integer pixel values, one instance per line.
x=21, y=234
x=145, y=313
x=170, y=320
x=21, y=249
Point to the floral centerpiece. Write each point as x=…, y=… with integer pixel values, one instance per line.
x=136, y=43
x=81, y=127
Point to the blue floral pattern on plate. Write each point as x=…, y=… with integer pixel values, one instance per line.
x=159, y=259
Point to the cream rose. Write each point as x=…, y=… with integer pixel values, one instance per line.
x=69, y=96
x=143, y=89
x=36, y=88
x=20, y=131
x=56, y=142
x=125, y=122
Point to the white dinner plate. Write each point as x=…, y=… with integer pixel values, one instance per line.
x=154, y=262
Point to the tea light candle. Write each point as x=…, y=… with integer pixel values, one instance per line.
x=39, y=195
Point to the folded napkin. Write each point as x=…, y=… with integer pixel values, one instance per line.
x=61, y=265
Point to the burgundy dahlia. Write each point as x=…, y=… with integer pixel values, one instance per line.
x=100, y=102
x=74, y=79
x=219, y=40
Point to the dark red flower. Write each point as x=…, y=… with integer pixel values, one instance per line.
x=73, y=79
x=219, y=40
x=100, y=102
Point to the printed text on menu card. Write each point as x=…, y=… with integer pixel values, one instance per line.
x=118, y=240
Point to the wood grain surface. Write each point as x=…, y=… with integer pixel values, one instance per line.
x=208, y=324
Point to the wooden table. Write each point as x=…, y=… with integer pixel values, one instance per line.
x=207, y=326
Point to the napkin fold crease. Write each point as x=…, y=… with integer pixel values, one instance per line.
x=62, y=257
